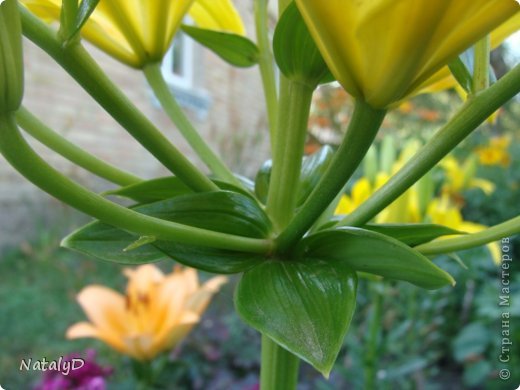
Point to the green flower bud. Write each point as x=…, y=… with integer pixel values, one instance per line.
x=11, y=60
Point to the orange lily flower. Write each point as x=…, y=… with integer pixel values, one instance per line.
x=156, y=313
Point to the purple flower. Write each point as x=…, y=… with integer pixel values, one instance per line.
x=75, y=373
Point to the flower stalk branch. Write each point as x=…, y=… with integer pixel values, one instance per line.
x=295, y=102
x=266, y=64
x=497, y=232
x=475, y=111
x=178, y=117
x=361, y=131
x=71, y=152
x=20, y=155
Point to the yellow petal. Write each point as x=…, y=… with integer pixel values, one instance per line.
x=382, y=51
x=485, y=185
x=219, y=15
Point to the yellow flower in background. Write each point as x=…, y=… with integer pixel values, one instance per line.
x=156, y=313
x=441, y=211
x=139, y=32
x=461, y=176
x=496, y=152
x=382, y=51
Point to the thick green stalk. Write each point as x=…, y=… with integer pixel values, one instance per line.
x=266, y=64
x=475, y=111
x=293, y=114
x=20, y=155
x=71, y=152
x=497, y=232
x=361, y=132
x=80, y=65
x=279, y=367
x=178, y=117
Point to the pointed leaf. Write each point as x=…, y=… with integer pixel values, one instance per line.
x=233, y=48
x=109, y=243
x=296, y=53
x=372, y=252
x=462, y=69
x=86, y=8
x=305, y=306
x=412, y=234
x=222, y=211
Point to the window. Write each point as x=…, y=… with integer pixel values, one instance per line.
x=178, y=63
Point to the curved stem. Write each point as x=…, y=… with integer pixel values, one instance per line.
x=361, y=132
x=497, y=232
x=475, y=111
x=295, y=102
x=266, y=64
x=178, y=117
x=20, y=155
x=71, y=152
x=279, y=367
x=80, y=65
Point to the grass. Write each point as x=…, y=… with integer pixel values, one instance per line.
x=37, y=304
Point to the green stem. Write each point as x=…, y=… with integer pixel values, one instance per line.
x=20, y=155
x=497, y=232
x=361, y=132
x=481, y=70
x=80, y=65
x=475, y=111
x=370, y=358
x=279, y=367
x=266, y=64
x=71, y=152
x=295, y=102
x=178, y=117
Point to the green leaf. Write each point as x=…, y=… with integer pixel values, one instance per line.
x=304, y=306
x=233, y=48
x=222, y=211
x=86, y=8
x=462, y=69
x=262, y=179
x=163, y=188
x=109, y=243
x=375, y=253
x=412, y=234
x=294, y=50
x=313, y=168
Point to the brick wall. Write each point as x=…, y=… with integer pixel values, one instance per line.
x=235, y=126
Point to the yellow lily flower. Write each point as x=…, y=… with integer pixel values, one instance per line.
x=443, y=79
x=441, y=211
x=460, y=177
x=382, y=51
x=139, y=32
x=496, y=152
x=156, y=313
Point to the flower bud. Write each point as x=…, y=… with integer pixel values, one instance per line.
x=11, y=61
x=382, y=51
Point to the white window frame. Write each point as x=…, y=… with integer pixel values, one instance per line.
x=184, y=81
